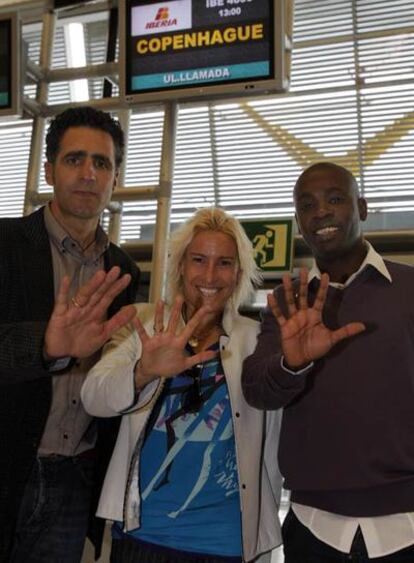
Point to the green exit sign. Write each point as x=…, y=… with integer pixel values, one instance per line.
x=272, y=243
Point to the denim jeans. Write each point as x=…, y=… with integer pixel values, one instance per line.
x=54, y=511
x=301, y=546
x=129, y=550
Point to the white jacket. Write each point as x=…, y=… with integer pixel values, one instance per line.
x=109, y=391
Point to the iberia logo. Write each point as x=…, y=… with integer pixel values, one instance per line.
x=162, y=14
x=162, y=19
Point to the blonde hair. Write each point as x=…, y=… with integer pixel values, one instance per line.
x=213, y=219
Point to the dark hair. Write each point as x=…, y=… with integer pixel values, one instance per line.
x=83, y=117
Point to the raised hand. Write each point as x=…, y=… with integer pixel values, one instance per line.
x=78, y=326
x=304, y=337
x=164, y=354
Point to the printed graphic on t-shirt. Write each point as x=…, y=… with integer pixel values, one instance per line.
x=188, y=471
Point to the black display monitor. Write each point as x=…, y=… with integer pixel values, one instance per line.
x=183, y=49
x=9, y=66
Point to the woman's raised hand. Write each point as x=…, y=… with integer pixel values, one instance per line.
x=164, y=354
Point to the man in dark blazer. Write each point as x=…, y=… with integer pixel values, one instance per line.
x=64, y=289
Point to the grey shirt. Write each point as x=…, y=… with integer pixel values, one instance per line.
x=69, y=430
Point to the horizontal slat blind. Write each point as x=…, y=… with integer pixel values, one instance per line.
x=351, y=101
x=387, y=111
x=15, y=136
x=14, y=159
x=143, y=164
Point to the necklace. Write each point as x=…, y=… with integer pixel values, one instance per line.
x=83, y=246
x=194, y=341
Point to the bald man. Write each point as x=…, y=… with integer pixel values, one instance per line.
x=336, y=351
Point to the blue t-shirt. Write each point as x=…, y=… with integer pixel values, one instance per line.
x=188, y=472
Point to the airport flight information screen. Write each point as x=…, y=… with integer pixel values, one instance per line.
x=185, y=43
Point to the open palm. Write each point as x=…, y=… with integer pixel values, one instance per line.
x=78, y=327
x=164, y=353
x=304, y=337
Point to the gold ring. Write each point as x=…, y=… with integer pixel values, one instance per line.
x=158, y=330
x=77, y=305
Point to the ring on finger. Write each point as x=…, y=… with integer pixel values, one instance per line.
x=77, y=305
x=158, y=329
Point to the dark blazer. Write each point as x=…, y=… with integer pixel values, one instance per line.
x=26, y=302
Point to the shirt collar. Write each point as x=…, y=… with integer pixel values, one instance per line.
x=371, y=259
x=63, y=241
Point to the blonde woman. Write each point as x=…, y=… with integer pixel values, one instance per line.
x=194, y=476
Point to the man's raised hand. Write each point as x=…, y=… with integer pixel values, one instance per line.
x=304, y=337
x=78, y=326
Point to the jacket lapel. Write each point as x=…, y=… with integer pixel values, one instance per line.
x=36, y=259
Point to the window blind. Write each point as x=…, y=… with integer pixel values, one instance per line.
x=351, y=101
